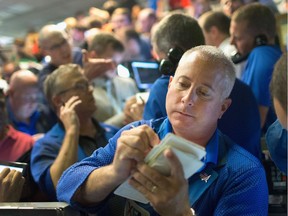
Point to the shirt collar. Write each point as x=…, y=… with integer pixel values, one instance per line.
x=212, y=149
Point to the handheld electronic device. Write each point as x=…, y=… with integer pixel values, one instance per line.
x=21, y=167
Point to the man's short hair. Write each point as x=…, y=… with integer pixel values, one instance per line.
x=177, y=30
x=215, y=57
x=259, y=19
x=102, y=41
x=278, y=84
x=53, y=82
x=217, y=19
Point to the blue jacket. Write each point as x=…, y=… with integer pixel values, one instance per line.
x=258, y=73
x=237, y=185
x=155, y=107
x=45, y=152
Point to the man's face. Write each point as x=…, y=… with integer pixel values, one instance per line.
x=194, y=100
x=119, y=21
x=59, y=50
x=24, y=101
x=240, y=37
x=79, y=86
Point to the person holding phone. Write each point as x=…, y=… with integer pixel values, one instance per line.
x=75, y=136
x=11, y=185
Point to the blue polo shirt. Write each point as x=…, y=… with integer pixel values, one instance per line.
x=231, y=180
x=24, y=127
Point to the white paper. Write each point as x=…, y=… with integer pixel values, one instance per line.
x=187, y=152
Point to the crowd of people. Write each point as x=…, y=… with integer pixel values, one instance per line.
x=79, y=127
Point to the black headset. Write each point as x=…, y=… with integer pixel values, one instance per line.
x=168, y=66
x=260, y=40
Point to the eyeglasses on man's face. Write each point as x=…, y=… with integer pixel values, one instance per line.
x=79, y=87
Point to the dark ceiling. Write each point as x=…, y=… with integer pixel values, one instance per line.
x=17, y=16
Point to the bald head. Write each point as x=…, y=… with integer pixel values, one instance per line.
x=50, y=32
x=23, y=94
x=217, y=62
x=23, y=78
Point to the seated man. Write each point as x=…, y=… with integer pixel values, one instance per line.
x=197, y=97
x=76, y=136
x=253, y=31
x=54, y=43
x=241, y=121
x=13, y=143
x=276, y=136
x=110, y=90
x=26, y=113
x=164, y=37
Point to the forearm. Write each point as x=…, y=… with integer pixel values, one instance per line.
x=67, y=155
x=100, y=183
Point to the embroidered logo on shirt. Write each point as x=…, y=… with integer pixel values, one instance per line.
x=204, y=177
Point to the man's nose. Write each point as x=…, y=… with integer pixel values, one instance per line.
x=189, y=98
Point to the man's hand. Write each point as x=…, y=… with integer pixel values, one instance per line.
x=11, y=185
x=68, y=115
x=167, y=194
x=93, y=68
x=133, y=110
x=132, y=147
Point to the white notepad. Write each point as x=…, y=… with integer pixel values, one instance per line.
x=189, y=154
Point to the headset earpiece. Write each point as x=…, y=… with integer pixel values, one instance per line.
x=168, y=66
x=261, y=40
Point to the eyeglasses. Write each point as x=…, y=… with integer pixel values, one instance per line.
x=81, y=87
x=58, y=45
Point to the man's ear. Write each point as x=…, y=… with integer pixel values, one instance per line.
x=57, y=101
x=170, y=81
x=225, y=105
x=9, y=92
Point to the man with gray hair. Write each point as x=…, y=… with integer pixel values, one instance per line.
x=25, y=110
x=230, y=179
x=75, y=136
x=241, y=122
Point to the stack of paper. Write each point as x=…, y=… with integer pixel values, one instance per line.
x=189, y=154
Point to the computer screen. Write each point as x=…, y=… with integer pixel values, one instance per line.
x=145, y=73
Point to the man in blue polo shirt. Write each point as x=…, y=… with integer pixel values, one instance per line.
x=197, y=97
x=253, y=31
